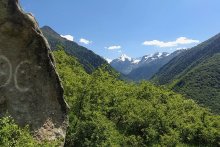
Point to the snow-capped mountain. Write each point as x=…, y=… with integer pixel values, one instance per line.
x=124, y=64
x=144, y=67
x=149, y=58
x=108, y=60
x=124, y=57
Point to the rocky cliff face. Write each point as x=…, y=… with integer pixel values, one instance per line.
x=30, y=89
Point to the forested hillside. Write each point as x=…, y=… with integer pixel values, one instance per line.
x=195, y=73
x=105, y=111
x=202, y=83
x=187, y=60
x=89, y=60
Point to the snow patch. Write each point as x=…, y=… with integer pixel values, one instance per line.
x=136, y=61
x=124, y=57
x=108, y=60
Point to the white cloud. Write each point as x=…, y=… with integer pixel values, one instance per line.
x=114, y=47
x=68, y=37
x=85, y=41
x=178, y=41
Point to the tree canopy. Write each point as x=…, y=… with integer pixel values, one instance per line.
x=105, y=111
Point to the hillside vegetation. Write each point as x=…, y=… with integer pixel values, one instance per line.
x=11, y=135
x=88, y=59
x=195, y=73
x=105, y=111
x=202, y=83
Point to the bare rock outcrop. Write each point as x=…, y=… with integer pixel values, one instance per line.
x=30, y=89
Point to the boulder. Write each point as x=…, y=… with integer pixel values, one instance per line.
x=30, y=88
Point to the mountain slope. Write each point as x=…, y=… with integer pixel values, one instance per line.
x=187, y=60
x=123, y=64
x=87, y=58
x=105, y=111
x=195, y=73
x=147, y=69
x=142, y=68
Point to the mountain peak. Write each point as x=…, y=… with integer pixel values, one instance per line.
x=142, y=67
x=46, y=27
x=49, y=31
x=160, y=54
x=108, y=60
x=89, y=60
x=124, y=57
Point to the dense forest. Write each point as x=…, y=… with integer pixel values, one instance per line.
x=105, y=111
x=202, y=84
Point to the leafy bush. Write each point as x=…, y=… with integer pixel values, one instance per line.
x=13, y=136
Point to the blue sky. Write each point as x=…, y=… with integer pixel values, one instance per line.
x=133, y=27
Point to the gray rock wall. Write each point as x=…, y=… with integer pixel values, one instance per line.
x=30, y=89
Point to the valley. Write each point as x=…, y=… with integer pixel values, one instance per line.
x=88, y=91
x=72, y=82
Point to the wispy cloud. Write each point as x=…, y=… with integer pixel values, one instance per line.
x=68, y=37
x=177, y=42
x=85, y=41
x=114, y=47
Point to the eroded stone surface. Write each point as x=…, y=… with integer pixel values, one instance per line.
x=30, y=89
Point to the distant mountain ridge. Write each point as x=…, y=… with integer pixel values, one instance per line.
x=123, y=64
x=142, y=68
x=195, y=73
x=89, y=60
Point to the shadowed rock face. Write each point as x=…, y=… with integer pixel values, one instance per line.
x=30, y=89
